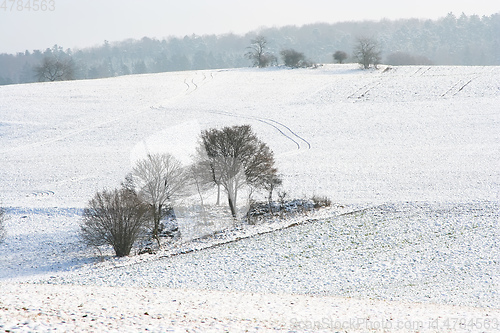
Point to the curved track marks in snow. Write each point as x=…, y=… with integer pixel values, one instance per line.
x=280, y=127
x=42, y=193
x=192, y=85
x=285, y=130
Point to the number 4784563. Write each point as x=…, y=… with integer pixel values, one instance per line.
x=27, y=5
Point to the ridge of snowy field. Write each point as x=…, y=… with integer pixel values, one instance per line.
x=409, y=156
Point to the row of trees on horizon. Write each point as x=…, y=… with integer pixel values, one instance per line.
x=451, y=40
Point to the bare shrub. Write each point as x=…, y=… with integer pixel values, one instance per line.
x=271, y=181
x=117, y=218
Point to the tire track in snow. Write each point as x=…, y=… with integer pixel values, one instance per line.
x=364, y=90
x=462, y=87
x=42, y=193
x=286, y=131
x=458, y=87
x=191, y=86
x=280, y=127
x=299, y=137
x=420, y=71
x=191, y=83
x=425, y=71
x=195, y=85
x=416, y=72
x=187, y=84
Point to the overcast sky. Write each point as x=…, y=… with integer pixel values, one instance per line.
x=83, y=23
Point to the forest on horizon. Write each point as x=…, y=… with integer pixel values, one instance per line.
x=451, y=40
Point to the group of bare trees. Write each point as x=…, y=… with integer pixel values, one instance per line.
x=260, y=57
x=231, y=158
x=451, y=40
x=366, y=52
x=122, y=216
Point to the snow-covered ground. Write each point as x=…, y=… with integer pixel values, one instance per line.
x=410, y=156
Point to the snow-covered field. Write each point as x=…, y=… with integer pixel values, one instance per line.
x=410, y=156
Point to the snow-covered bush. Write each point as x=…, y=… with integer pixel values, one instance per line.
x=262, y=210
x=321, y=201
x=117, y=218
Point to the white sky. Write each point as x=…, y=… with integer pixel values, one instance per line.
x=82, y=23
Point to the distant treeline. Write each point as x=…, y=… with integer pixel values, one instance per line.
x=464, y=40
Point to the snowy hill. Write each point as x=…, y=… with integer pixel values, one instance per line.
x=372, y=139
x=409, y=133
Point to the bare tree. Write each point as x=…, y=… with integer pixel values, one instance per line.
x=200, y=177
x=54, y=68
x=282, y=199
x=117, y=218
x=205, y=173
x=158, y=180
x=258, y=54
x=367, y=52
x=3, y=218
x=271, y=181
x=238, y=158
x=340, y=56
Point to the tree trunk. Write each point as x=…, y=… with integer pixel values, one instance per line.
x=218, y=195
x=231, y=196
x=156, y=221
x=271, y=201
x=232, y=206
